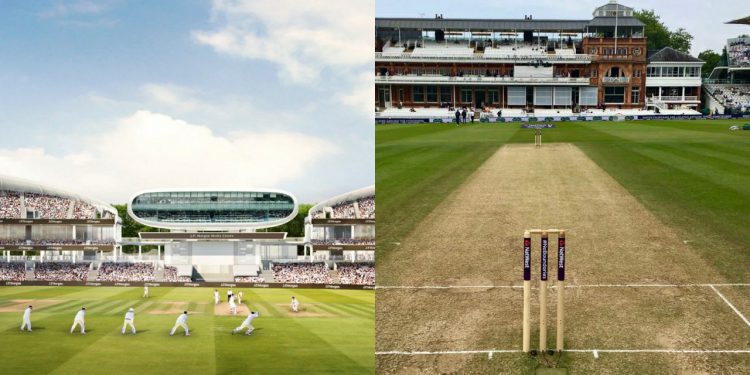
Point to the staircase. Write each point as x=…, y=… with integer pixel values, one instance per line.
x=92, y=275
x=159, y=274
x=334, y=275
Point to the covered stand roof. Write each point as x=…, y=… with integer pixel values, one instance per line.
x=8, y=183
x=669, y=54
x=466, y=24
x=741, y=21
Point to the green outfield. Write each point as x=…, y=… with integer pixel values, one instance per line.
x=694, y=174
x=333, y=332
x=662, y=205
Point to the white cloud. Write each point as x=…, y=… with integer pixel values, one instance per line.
x=177, y=97
x=64, y=8
x=302, y=37
x=151, y=150
x=361, y=96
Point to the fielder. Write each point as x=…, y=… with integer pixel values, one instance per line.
x=295, y=304
x=239, y=297
x=232, y=306
x=145, y=291
x=129, y=317
x=26, y=319
x=247, y=323
x=229, y=294
x=79, y=320
x=182, y=322
x=216, y=296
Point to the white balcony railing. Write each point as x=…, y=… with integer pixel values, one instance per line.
x=677, y=98
x=425, y=79
x=577, y=58
x=615, y=79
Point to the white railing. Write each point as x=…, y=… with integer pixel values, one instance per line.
x=412, y=78
x=679, y=98
x=479, y=57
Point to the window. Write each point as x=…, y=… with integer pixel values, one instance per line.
x=614, y=95
x=417, y=94
x=635, y=95
x=692, y=71
x=592, y=51
x=653, y=71
x=445, y=94
x=431, y=94
x=636, y=73
x=622, y=51
x=636, y=51
x=466, y=95
x=593, y=73
x=494, y=96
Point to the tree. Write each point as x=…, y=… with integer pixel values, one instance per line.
x=659, y=36
x=712, y=60
x=130, y=227
x=296, y=227
x=680, y=40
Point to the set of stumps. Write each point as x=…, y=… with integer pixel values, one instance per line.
x=544, y=250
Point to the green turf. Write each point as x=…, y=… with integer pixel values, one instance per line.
x=336, y=335
x=693, y=174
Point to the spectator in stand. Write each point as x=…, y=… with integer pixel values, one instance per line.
x=356, y=273
x=12, y=272
x=303, y=273
x=55, y=271
x=135, y=272
x=170, y=276
x=249, y=279
x=10, y=205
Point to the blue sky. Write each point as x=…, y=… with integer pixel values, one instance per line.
x=703, y=19
x=108, y=97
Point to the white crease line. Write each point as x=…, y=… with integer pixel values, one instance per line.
x=554, y=286
x=732, y=306
x=491, y=351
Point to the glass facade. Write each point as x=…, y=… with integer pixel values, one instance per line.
x=212, y=206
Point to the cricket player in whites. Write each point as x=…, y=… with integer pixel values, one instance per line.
x=182, y=322
x=145, y=291
x=129, y=317
x=26, y=319
x=232, y=305
x=79, y=320
x=295, y=304
x=216, y=296
x=239, y=297
x=247, y=323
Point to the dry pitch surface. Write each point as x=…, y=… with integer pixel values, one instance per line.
x=474, y=238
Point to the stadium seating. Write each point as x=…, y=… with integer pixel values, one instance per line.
x=12, y=271
x=730, y=95
x=356, y=273
x=170, y=275
x=10, y=205
x=134, y=272
x=303, y=273
x=58, y=271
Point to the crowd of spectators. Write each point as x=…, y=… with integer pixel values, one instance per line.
x=10, y=205
x=356, y=273
x=249, y=279
x=366, y=207
x=303, y=273
x=344, y=241
x=343, y=210
x=170, y=276
x=12, y=272
x=47, y=206
x=125, y=272
x=55, y=271
x=21, y=242
x=83, y=210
